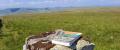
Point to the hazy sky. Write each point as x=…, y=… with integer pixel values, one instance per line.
x=56, y=3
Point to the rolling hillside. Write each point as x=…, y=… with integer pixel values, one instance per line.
x=13, y=11
x=101, y=25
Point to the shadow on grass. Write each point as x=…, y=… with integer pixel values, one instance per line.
x=1, y=25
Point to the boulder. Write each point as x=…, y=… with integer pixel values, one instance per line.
x=60, y=47
x=84, y=45
x=43, y=42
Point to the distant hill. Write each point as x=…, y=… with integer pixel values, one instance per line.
x=21, y=10
x=10, y=11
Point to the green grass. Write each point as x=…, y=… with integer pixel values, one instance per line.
x=102, y=27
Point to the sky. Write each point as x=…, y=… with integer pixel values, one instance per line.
x=56, y=3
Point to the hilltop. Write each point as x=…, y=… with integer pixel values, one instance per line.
x=102, y=25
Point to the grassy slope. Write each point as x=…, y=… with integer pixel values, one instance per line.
x=102, y=26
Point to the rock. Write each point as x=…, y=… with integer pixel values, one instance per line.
x=89, y=47
x=60, y=47
x=24, y=47
x=43, y=42
x=50, y=37
x=81, y=44
x=84, y=45
x=43, y=45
